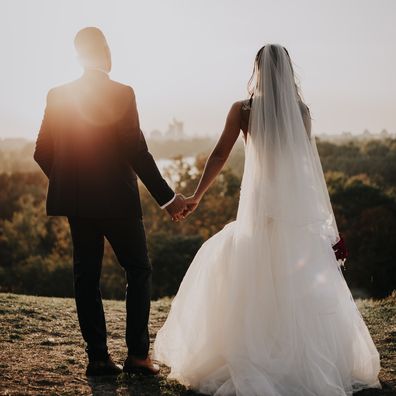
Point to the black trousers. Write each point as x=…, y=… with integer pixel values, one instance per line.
x=128, y=240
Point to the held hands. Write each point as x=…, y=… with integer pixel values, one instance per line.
x=182, y=207
x=177, y=207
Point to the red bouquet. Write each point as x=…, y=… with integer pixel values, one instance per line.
x=340, y=249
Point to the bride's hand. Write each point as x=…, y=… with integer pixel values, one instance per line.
x=192, y=204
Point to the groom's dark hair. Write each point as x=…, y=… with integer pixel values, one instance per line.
x=91, y=44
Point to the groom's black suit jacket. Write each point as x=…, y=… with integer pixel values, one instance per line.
x=92, y=149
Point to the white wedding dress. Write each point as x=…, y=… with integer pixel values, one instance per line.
x=264, y=309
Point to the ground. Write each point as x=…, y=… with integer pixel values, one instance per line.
x=41, y=349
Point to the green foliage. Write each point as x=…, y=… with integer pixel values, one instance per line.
x=368, y=217
x=374, y=158
x=170, y=257
x=35, y=250
x=13, y=186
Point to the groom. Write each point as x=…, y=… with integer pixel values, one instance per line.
x=91, y=148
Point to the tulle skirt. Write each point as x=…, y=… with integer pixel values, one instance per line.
x=267, y=313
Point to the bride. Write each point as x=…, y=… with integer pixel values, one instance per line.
x=264, y=308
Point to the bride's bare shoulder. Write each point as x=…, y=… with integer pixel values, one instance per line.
x=243, y=105
x=242, y=108
x=235, y=111
x=236, y=106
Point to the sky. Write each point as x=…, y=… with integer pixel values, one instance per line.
x=191, y=59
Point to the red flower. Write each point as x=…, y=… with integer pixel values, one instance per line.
x=340, y=249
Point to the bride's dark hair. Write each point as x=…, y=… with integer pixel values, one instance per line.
x=256, y=69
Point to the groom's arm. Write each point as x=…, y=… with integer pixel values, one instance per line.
x=145, y=167
x=43, y=153
x=141, y=159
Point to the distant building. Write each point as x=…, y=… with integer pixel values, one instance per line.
x=366, y=133
x=175, y=130
x=346, y=135
x=384, y=134
x=156, y=134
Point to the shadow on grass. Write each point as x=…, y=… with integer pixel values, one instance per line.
x=159, y=386
x=387, y=390
x=135, y=384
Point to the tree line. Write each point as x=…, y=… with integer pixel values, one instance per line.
x=36, y=250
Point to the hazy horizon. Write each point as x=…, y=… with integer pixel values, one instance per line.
x=192, y=60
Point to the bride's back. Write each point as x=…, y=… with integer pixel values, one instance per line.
x=246, y=106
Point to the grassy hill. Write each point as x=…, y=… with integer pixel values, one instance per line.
x=41, y=349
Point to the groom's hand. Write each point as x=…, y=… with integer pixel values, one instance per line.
x=176, y=208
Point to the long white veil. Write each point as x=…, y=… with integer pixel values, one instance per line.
x=263, y=307
x=283, y=178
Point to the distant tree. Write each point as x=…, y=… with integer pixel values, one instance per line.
x=15, y=185
x=35, y=250
x=170, y=257
x=367, y=218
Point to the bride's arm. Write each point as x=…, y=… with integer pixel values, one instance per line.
x=219, y=155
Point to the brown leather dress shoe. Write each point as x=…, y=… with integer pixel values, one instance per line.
x=134, y=365
x=102, y=367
